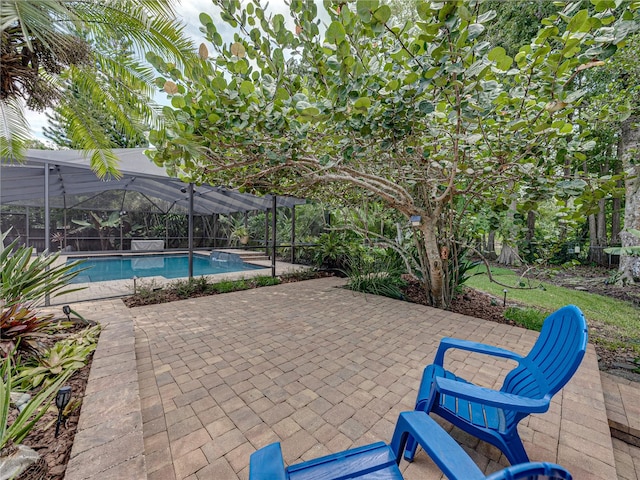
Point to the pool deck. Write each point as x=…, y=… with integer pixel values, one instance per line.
x=189, y=389
x=121, y=288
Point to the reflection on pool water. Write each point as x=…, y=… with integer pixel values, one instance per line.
x=120, y=267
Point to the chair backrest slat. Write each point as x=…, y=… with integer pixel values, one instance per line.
x=554, y=358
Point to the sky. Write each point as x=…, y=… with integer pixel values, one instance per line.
x=189, y=11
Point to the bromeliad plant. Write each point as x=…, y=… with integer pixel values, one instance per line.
x=25, y=281
x=22, y=329
x=65, y=356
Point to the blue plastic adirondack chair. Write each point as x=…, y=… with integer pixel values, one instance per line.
x=379, y=461
x=492, y=415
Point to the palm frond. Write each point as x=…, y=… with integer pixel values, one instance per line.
x=14, y=129
x=40, y=21
x=150, y=25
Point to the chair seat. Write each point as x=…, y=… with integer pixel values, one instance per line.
x=373, y=462
x=477, y=414
x=379, y=461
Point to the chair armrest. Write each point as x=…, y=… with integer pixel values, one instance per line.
x=267, y=464
x=446, y=453
x=525, y=471
x=448, y=342
x=486, y=396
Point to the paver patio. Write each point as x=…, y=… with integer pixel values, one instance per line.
x=320, y=369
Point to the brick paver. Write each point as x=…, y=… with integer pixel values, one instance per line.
x=322, y=369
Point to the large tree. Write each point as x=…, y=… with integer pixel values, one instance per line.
x=45, y=44
x=426, y=117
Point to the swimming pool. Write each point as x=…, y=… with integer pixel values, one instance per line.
x=121, y=267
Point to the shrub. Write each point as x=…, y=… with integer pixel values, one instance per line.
x=331, y=251
x=378, y=272
x=190, y=287
x=227, y=286
x=266, y=281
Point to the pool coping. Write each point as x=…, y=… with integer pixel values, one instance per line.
x=95, y=291
x=108, y=443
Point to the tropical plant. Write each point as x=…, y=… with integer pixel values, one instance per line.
x=376, y=271
x=461, y=268
x=237, y=231
x=331, y=251
x=426, y=117
x=61, y=125
x=28, y=416
x=50, y=45
x=28, y=279
x=22, y=329
x=633, y=250
x=104, y=226
x=67, y=355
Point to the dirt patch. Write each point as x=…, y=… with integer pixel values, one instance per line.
x=593, y=280
x=620, y=360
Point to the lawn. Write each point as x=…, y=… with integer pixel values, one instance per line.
x=615, y=320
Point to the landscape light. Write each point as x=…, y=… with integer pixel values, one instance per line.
x=62, y=400
x=66, y=309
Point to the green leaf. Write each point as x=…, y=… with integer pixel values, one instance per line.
x=382, y=14
x=487, y=16
x=219, y=83
x=363, y=103
x=335, y=33
x=206, y=19
x=365, y=7
x=426, y=107
x=475, y=29
x=579, y=22
x=496, y=54
x=178, y=102
x=247, y=87
x=499, y=55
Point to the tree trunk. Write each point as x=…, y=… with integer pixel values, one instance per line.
x=509, y=254
x=490, y=251
x=436, y=291
x=531, y=226
x=598, y=230
x=593, y=239
x=630, y=145
x=616, y=219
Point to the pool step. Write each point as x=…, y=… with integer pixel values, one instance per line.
x=246, y=255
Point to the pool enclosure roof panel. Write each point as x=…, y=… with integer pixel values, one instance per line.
x=70, y=175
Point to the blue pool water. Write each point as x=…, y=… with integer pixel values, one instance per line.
x=121, y=267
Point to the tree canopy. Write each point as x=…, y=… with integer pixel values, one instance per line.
x=50, y=46
x=428, y=117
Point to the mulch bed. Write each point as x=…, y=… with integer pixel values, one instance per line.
x=41, y=438
x=56, y=451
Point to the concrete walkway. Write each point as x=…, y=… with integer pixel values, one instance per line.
x=320, y=369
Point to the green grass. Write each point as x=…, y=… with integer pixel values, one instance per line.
x=529, y=318
x=614, y=320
